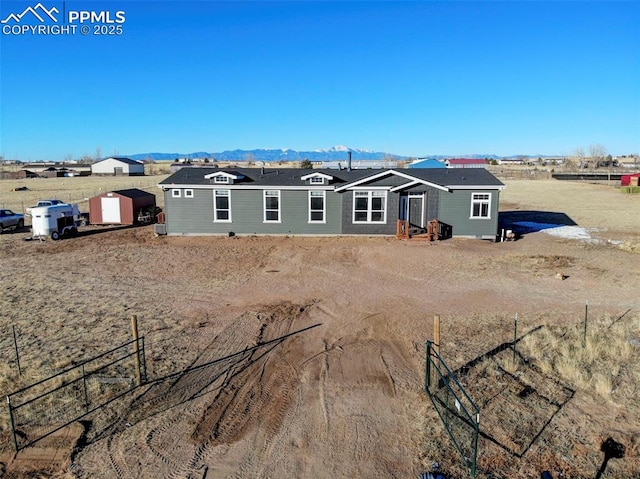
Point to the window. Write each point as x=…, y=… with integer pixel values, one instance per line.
x=316, y=206
x=316, y=180
x=480, y=205
x=222, y=206
x=188, y=193
x=369, y=206
x=272, y=206
x=221, y=179
x=175, y=193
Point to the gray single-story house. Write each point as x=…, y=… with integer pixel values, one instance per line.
x=296, y=201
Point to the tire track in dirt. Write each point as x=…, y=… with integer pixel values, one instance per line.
x=389, y=375
x=246, y=377
x=289, y=399
x=162, y=395
x=193, y=409
x=117, y=464
x=269, y=385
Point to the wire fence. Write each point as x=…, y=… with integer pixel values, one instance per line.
x=459, y=414
x=40, y=409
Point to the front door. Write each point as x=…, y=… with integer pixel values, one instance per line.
x=416, y=211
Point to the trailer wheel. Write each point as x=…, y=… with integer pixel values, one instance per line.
x=55, y=236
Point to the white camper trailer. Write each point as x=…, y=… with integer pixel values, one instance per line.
x=55, y=220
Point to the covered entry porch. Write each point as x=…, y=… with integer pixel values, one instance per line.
x=413, y=218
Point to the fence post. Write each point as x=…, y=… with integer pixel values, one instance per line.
x=12, y=425
x=586, y=314
x=143, y=360
x=436, y=333
x=427, y=367
x=136, y=346
x=15, y=342
x=84, y=386
x=515, y=337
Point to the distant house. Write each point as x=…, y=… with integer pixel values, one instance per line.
x=427, y=163
x=465, y=163
x=118, y=166
x=17, y=175
x=510, y=161
x=629, y=180
x=221, y=201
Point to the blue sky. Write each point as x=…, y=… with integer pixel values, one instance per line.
x=410, y=78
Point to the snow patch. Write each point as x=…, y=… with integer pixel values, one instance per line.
x=561, y=231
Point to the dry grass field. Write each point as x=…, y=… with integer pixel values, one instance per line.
x=227, y=398
x=72, y=190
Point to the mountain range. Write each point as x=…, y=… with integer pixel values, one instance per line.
x=271, y=155
x=335, y=153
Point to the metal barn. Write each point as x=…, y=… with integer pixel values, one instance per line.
x=119, y=207
x=117, y=166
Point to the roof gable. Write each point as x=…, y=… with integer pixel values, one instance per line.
x=409, y=177
x=317, y=175
x=224, y=174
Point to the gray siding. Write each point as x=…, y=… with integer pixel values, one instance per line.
x=389, y=228
x=455, y=210
x=195, y=215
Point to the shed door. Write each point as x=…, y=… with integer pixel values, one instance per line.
x=110, y=210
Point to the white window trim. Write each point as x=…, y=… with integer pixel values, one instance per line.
x=215, y=208
x=369, y=210
x=176, y=193
x=316, y=180
x=264, y=207
x=220, y=179
x=188, y=193
x=324, y=206
x=480, y=201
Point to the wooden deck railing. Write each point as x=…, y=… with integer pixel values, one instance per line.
x=402, y=229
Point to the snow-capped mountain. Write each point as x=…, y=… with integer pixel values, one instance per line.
x=335, y=153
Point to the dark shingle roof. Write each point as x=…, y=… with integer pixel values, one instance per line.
x=122, y=159
x=456, y=176
x=291, y=176
x=133, y=193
